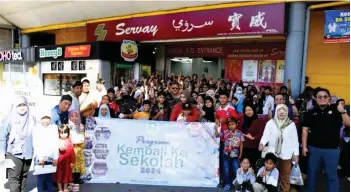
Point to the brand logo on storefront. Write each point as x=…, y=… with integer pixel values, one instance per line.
x=11, y=56
x=129, y=50
x=54, y=53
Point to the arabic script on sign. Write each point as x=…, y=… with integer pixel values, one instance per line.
x=185, y=26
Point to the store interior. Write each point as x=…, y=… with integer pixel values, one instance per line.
x=202, y=66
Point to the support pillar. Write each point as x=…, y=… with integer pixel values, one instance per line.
x=25, y=41
x=294, y=46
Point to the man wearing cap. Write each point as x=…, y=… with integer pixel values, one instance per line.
x=59, y=114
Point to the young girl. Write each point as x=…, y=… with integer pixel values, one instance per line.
x=77, y=136
x=63, y=175
x=186, y=112
x=45, y=145
x=233, y=148
x=245, y=176
x=104, y=111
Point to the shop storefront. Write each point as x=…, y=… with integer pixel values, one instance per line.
x=17, y=67
x=263, y=63
x=61, y=65
x=185, y=37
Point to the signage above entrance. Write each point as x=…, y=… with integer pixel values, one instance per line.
x=129, y=50
x=77, y=51
x=224, y=22
x=51, y=53
x=11, y=56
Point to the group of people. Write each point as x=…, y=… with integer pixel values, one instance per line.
x=261, y=129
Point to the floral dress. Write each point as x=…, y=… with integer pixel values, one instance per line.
x=232, y=142
x=78, y=137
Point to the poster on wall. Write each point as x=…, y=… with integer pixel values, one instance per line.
x=279, y=77
x=249, y=71
x=151, y=153
x=233, y=70
x=266, y=71
x=337, y=26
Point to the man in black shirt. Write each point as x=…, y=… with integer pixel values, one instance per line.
x=320, y=138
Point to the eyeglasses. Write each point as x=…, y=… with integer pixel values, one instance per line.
x=320, y=97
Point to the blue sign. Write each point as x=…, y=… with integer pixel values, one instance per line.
x=337, y=26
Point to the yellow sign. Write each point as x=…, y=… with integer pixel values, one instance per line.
x=129, y=50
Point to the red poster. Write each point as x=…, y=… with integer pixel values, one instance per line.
x=77, y=51
x=233, y=70
x=223, y=22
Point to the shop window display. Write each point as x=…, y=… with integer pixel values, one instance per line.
x=59, y=84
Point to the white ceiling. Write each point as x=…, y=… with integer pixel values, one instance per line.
x=29, y=14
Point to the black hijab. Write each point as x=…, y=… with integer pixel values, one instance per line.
x=209, y=111
x=248, y=120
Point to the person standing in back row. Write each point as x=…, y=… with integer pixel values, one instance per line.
x=320, y=139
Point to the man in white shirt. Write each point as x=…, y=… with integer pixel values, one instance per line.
x=268, y=101
x=77, y=87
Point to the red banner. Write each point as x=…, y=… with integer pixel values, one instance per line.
x=236, y=21
x=77, y=51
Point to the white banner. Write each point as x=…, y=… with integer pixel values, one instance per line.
x=151, y=153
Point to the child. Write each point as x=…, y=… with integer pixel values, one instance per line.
x=145, y=114
x=78, y=138
x=233, y=148
x=105, y=101
x=104, y=112
x=245, y=177
x=186, y=112
x=267, y=176
x=45, y=144
x=63, y=175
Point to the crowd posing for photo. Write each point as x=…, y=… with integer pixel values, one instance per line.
x=262, y=129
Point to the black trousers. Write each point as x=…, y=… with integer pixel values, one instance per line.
x=18, y=175
x=221, y=167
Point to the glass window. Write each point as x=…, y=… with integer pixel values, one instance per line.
x=59, y=84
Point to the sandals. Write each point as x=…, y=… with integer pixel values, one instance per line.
x=75, y=187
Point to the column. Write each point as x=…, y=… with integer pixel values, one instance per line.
x=24, y=41
x=160, y=57
x=294, y=46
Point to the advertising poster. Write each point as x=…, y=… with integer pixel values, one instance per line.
x=146, y=70
x=266, y=71
x=337, y=26
x=152, y=153
x=233, y=70
x=279, y=78
x=249, y=70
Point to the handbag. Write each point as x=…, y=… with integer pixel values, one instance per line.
x=296, y=176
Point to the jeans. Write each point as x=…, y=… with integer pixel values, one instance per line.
x=42, y=180
x=330, y=159
x=229, y=164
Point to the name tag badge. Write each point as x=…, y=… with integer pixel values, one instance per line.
x=330, y=112
x=315, y=114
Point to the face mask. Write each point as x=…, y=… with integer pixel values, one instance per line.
x=21, y=110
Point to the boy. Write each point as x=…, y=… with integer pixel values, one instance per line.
x=245, y=177
x=160, y=111
x=145, y=114
x=267, y=176
x=46, y=149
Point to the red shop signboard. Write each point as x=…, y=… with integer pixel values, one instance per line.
x=236, y=21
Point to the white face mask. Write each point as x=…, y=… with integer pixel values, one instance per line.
x=22, y=109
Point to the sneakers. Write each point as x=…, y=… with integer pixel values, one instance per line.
x=227, y=188
x=220, y=185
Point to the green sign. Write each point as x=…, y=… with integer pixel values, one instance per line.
x=123, y=66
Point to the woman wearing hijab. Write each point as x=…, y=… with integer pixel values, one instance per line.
x=177, y=110
x=208, y=111
x=16, y=142
x=281, y=135
x=252, y=126
x=104, y=112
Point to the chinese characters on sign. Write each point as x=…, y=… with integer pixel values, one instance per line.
x=235, y=21
x=337, y=26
